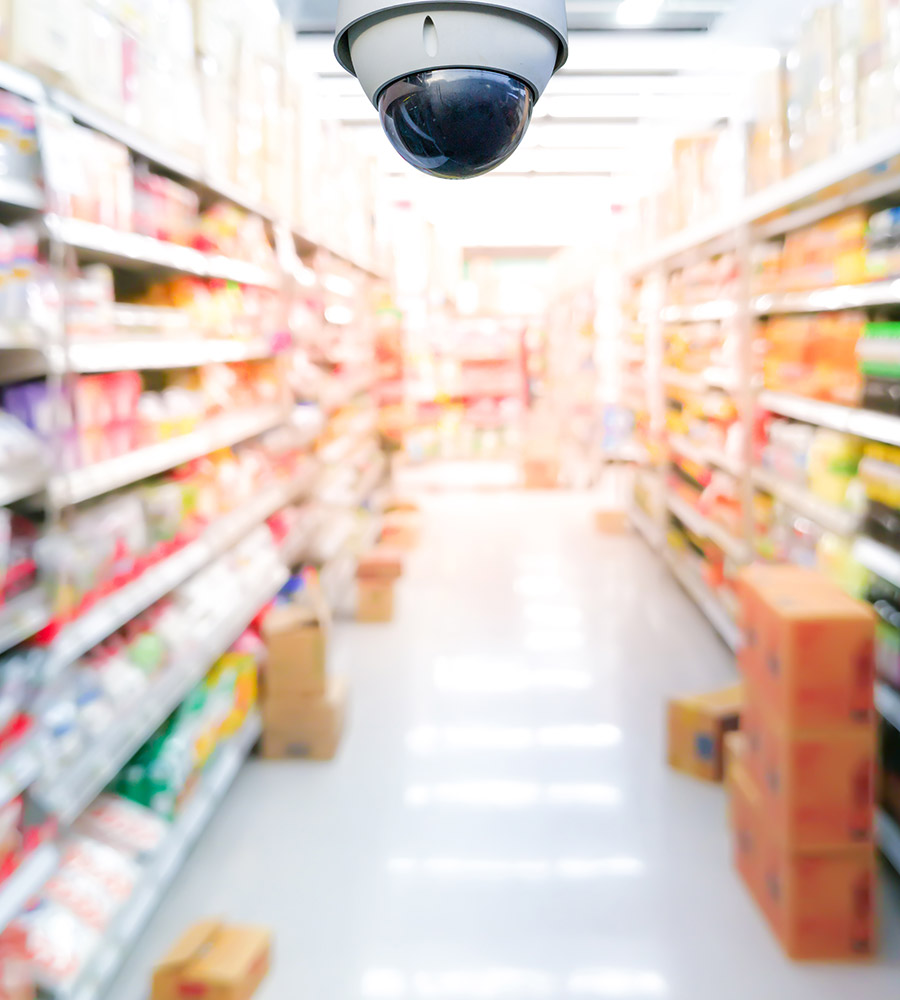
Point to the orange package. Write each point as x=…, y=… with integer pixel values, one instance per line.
x=808, y=648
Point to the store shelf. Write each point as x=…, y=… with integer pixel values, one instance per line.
x=837, y=520
x=888, y=831
x=22, y=481
x=22, y=617
x=146, y=353
x=113, y=612
x=651, y=532
x=26, y=882
x=875, y=293
x=103, y=477
x=687, y=381
x=70, y=792
x=706, y=600
x=865, y=161
x=691, y=518
x=878, y=559
x=136, y=252
x=714, y=311
x=887, y=702
x=705, y=455
x=158, y=875
x=20, y=767
x=863, y=423
x=21, y=194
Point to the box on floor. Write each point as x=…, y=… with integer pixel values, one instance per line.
x=296, y=637
x=216, y=960
x=611, y=522
x=374, y=601
x=308, y=728
x=697, y=726
x=401, y=529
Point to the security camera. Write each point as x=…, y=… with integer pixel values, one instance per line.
x=454, y=82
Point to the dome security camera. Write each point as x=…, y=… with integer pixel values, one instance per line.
x=454, y=82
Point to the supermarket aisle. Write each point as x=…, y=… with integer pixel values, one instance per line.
x=500, y=822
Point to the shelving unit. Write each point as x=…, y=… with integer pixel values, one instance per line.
x=159, y=874
x=706, y=528
x=837, y=520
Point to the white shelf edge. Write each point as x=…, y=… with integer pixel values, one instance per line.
x=683, y=380
x=887, y=701
x=75, y=789
x=889, y=838
x=714, y=311
x=878, y=559
x=22, y=617
x=103, y=477
x=22, y=481
x=650, y=532
x=833, y=299
x=706, y=601
x=159, y=874
x=706, y=528
x=26, y=882
x=834, y=519
x=141, y=354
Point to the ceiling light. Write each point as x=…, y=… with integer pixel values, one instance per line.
x=637, y=13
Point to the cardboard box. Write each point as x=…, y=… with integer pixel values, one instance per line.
x=697, y=727
x=745, y=808
x=401, y=529
x=821, y=905
x=374, y=601
x=734, y=754
x=818, y=786
x=611, y=522
x=297, y=643
x=309, y=728
x=382, y=563
x=807, y=649
x=540, y=473
x=214, y=960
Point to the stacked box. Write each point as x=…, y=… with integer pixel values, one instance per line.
x=802, y=782
x=376, y=575
x=303, y=709
x=698, y=729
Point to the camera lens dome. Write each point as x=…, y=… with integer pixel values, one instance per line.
x=456, y=122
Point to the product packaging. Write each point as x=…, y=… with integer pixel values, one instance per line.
x=697, y=726
x=308, y=727
x=808, y=649
x=216, y=960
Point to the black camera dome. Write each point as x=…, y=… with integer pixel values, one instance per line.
x=456, y=122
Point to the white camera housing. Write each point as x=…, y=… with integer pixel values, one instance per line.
x=453, y=66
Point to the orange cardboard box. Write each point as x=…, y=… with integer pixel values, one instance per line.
x=734, y=754
x=808, y=649
x=541, y=473
x=745, y=805
x=216, y=961
x=374, y=601
x=697, y=726
x=818, y=786
x=820, y=904
x=307, y=727
x=611, y=522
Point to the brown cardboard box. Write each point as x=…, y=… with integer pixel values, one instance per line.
x=305, y=727
x=216, y=961
x=382, y=563
x=818, y=786
x=611, y=522
x=745, y=806
x=297, y=643
x=734, y=754
x=374, y=601
x=808, y=649
x=401, y=529
x=541, y=473
x=697, y=728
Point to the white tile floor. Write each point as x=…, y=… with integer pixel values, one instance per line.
x=500, y=823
